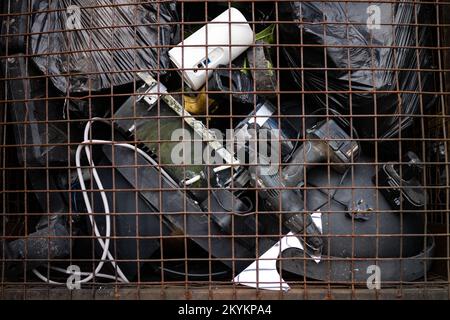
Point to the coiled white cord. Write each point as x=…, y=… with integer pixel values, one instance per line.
x=106, y=254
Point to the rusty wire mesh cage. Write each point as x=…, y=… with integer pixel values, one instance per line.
x=214, y=149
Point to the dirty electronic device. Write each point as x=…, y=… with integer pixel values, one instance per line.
x=154, y=101
x=326, y=140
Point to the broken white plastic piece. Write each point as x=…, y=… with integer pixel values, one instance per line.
x=219, y=42
x=263, y=274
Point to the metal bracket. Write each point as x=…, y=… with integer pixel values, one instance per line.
x=151, y=95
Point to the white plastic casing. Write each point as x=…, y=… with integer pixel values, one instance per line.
x=214, y=44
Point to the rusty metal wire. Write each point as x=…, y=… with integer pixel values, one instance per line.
x=36, y=192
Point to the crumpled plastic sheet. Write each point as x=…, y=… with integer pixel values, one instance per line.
x=99, y=45
x=364, y=58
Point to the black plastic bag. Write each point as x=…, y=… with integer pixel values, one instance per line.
x=101, y=49
x=361, y=59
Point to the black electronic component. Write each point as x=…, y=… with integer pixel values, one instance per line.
x=326, y=140
x=400, y=183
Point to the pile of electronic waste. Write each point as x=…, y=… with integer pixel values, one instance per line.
x=155, y=154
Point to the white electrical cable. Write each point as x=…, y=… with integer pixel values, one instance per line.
x=98, y=275
x=104, y=244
